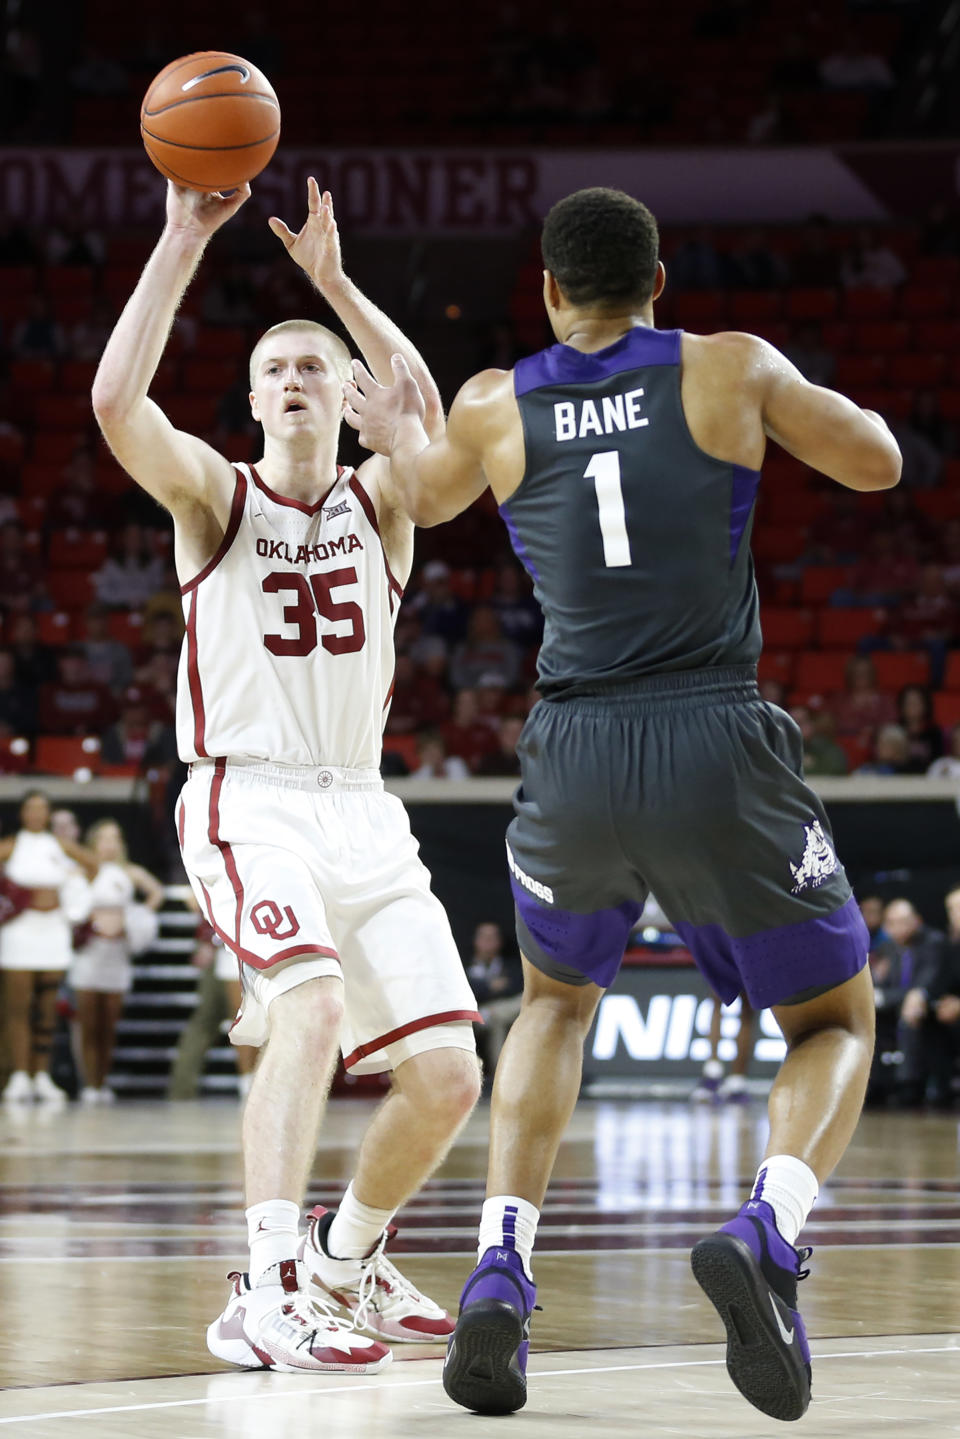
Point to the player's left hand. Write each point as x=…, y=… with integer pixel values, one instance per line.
x=375, y=410
x=316, y=248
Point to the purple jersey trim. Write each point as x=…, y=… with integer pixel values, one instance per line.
x=743, y=494
x=519, y=548
x=775, y=964
x=590, y=944
x=562, y=365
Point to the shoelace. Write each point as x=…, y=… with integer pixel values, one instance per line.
x=373, y=1269
x=306, y=1308
x=802, y=1256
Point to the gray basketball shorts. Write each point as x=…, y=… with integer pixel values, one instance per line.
x=691, y=786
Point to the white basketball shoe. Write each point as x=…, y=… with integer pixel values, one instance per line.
x=46, y=1092
x=372, y=1290
x=276, y=1324
x=19, y=1089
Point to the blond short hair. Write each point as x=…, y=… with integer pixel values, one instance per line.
x=338, y=350
x=97, y=828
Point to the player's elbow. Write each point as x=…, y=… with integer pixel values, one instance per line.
x=881, y=469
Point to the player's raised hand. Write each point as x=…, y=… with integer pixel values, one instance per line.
x=195, y=213
x=375, y=410
x=316, y=248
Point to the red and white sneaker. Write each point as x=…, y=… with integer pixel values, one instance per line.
x=276, y=1324
x=372, y=1290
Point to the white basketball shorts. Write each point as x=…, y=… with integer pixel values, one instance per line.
x=306, y=872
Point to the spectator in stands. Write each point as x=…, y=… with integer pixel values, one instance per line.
x=108, y=659
x=413, y=705
x=883, y=576
x=39, y=336
x=35, y=664
x=161, y=634
x=928, y=974
x=927, y=420
x=18, y=703
x=74, y=703
x=157, y=678
x=497, y=983
x=88, y=337
x=484, y=649
x=218, y=999
x=861, y=707
x=925, y=739
x=137, y=740
x=520, y=616
x=132, y=571
x=79, y=503
x=491, y=692
x=466, y=734
x=889, y=990
x=755, y=266
x=435, y=763
x=851, y=67
x=871, y=264
x=815, y=263
x=891, y=752
x=821, y=753
x=21, y=572
x=872, y=907
x=504, y=760
x=928, y=620
x=816, y=363
x=438, y=609
x=948, y=765
x=698, y=265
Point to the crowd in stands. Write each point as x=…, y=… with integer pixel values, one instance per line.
x=495, y=73
x=860, y=594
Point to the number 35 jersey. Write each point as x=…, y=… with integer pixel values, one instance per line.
x=288, y=652
x=637, y=541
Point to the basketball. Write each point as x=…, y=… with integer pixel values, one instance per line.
x=210, y=121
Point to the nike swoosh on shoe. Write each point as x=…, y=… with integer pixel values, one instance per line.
x=785, y=1334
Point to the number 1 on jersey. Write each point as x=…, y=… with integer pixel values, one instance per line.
x=604, y=470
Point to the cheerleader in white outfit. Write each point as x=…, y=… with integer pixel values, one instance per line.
x=35, y=945
x=102, y=969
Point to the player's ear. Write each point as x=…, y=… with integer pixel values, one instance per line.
x=660, y=280
x=551, y=291
x=253, y=406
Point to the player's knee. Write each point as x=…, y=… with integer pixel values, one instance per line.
x=313, y=1008
x=444, y=1084
x=849, y=1007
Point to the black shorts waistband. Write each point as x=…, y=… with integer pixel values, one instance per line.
x=729, y=684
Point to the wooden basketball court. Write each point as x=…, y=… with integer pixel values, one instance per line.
x=118, y=1226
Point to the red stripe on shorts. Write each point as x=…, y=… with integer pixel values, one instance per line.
x=256, y=961
x=451, y=1016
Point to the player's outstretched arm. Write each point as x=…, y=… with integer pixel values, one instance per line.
x=316, y=250
x=431, y=481
x=171, y=465
x=823, y=428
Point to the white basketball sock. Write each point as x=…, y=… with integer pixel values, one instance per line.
x=356, y=1227
x=507, y=1222
x=272, y=1233
x=790, y=1188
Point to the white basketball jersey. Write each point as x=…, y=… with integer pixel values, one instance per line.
x=288, y=651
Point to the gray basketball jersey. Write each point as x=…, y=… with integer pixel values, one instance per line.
x=637, y=542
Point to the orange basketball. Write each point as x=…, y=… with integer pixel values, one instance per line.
x=210, y=121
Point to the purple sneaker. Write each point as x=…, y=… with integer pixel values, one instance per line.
x=749, y=1273
x=486, y=1365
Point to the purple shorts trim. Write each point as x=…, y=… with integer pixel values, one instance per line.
x=574, y=948
x=775, y=964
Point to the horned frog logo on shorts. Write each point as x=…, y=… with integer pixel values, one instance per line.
x=819, y=861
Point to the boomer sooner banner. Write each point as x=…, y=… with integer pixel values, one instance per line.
x=463, y=191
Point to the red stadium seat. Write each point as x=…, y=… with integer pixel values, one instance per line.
x=916, y=372
x=787, y=629
x=778, y=544
x=818, y=304
x=77, y=549
x=749, y=306
x=951, y=677
x=820, y=671
x=127, y=627
x=946, y=709
x=926, y=302
x=790, y=506
x=855, y=371
x=843, y=629
x=941, y=336
x=940, y=504
x=54, y=447
x=70, y=589
x=820, y=581
x=875, y=336
x=67, y=280
x=868, y=304
x=208, y=376
x=404, y=745
x=65, y=754
x=55, y=627
x=777, y=665
x=77, y=375
x=896, y=668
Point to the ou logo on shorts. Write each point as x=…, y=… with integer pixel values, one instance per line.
x=267, y=918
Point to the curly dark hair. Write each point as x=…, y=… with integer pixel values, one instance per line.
x=602, y=247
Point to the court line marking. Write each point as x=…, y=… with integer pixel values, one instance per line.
x=274, y=1395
